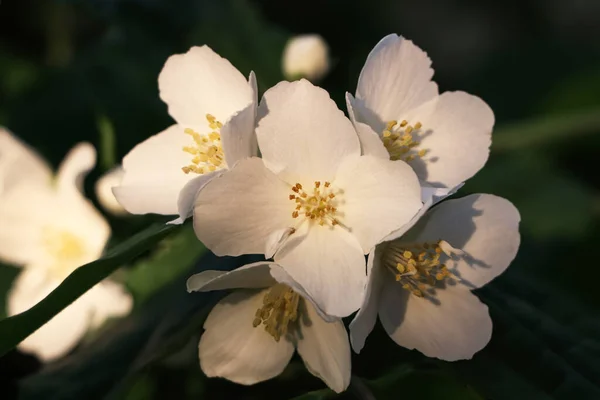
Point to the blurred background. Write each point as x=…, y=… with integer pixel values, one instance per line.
x=75, y=70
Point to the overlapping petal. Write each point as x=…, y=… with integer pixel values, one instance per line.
x=235, y=213
x=483, y=226
x=456, y=135
x=232, y=348
x=329, y=263
x=201, y=82
x=378, y=197
x=153, y=175
x=324, y=348
x=395, y=78
x=303, y=133
x=454, y=325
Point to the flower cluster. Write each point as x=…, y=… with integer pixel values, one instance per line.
x=327, y=191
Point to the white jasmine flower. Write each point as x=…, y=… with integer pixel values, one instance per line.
x=50, y=229
x=251, y=334
x=420, y=284
x=399, y=114
x=214, y=108
x=104, y=192
x=312, y=200
x=306, y=56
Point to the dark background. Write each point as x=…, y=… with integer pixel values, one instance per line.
x=87, y=70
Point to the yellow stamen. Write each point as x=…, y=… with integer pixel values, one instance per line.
x=399, y=140
x=279, y=310
x=417, y=267
x=318, y=204
x=207, y=149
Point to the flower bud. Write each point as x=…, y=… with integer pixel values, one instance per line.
x=104, y=192
x=306, y=56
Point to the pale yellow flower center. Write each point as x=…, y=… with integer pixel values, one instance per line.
x=279, y=310
x=399, y=140
x=417, y=267
x=66, y=249
x=318, y=205
x=207, y=151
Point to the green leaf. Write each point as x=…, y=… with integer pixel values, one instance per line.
x=14, y=329
x=175, y=255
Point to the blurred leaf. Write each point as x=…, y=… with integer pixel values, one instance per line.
x=551, y=203
x=16, y=328
x=547, y=129
x=175, y=255
x=107, y=143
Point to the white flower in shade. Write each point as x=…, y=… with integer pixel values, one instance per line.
x=50, y=229
x=214, y=108
x=251, y=334
x=399, y=114
x=420, y=284
x=104, y=192
x=312, y=201
x=306, y=56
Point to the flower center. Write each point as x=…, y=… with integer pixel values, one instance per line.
x=65, y=248
x=417, y=267
x=279, y=309
x=207, y=150
x=319, y=205
x=399, y=140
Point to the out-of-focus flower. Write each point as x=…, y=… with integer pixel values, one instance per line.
x=399, y=115
x=50, y=229
x=215, y=110
x=306, y=56
x=104, y=191
x=313, y=202
x=251, y=334
x=420, y=284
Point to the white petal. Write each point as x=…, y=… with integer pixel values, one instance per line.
x=456, y=134
x=366, y=317
x=303, y=132
x=187, y=196
x=24, y=211
x=201, y=82
x=250, y=276
x=329, y=264
x=232, y=348
x=484, y=226
x=379, y=196
x=236, y=213
x=153, y=176
x=238, y=137
x=74, y=167
x=429, y=196
x=20, y=163
x=453, y=327
x=104, y=192
x=324, y=348
x=367, y=129
x=396, y=78
x=281, y=276
x=108, y=300
x=59, y=335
